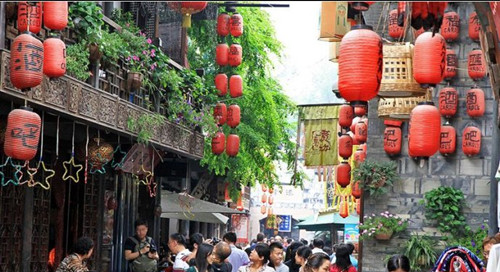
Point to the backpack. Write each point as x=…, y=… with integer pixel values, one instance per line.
x=143, y=263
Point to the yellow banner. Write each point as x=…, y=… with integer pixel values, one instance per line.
x=321, y=142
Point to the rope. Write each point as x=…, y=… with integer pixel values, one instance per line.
x=73, y=142
x=41, y=140
x=57, y=138
x=86, y=156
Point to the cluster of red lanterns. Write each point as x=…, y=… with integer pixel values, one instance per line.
x=427, y=14
x=392, y=137
x=269, y=199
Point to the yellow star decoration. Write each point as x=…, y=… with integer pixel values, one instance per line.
x=19, y=172
x=66, y=175
x=45, y=185
x=150, y=181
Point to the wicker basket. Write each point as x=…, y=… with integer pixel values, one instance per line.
x=400, y=108
x=397, y=76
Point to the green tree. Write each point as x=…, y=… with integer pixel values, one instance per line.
x=265, y=133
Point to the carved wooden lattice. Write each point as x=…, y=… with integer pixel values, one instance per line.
x=90, y=212
x=41, y=222
x=11, y=225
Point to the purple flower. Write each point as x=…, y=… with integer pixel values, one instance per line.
x=153, y=52
x=152, y=67
x=149, y=41
x=482, y=226
x=136, y=58
x=473, y=243
x=144, y=52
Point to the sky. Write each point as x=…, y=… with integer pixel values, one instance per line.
x=306, y=74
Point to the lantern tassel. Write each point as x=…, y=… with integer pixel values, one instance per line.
x=186, y=20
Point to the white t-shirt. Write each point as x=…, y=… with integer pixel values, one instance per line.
x=179, y=263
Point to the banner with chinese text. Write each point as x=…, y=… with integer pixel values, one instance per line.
x=320, y=123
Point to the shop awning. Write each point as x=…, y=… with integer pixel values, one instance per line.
x=215, y=218
x=180, y=203
x=319, y=222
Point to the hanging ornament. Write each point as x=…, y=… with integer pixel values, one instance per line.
x=263, y=209
x=270, y=199
x=474, y=26
x=451, y=26
x=100, y=154
x=22, y=134
x=356, y=190
x=232, y=145
x=223, y=24
x=222, y=54
x=218, y=143
x=344, y=208
x=471, y=141
x=235, y=55
x=345, y=146
x=359, y=155
x=221, y=84
x=451, y=64
x=54, y=55
x=358, y=206
x=263, y=187
x=448, y=140
x=392, y=137
x=26, y=62
x=263, y=198
x=236, y=25
x=395, y=31
x=346, y=114
x=233, y=116
x=355, y=120
x=115, y=163
x=429, y=59
x=69, y=165
x=55, y=14
x=448, y=102
x=227, y=196
x=47, y=173
x=236, y=86
x=18, y=174
x=361, y=132
x=270, y=211
x=220, y=113
x=476, y=65
x=360, y=110
x=187, y=9
x=239, y=203
x=344, y=174
x=424, y=130
x=29, y=17
x=475, y=102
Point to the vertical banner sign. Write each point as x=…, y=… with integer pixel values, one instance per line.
x=320, y=124
x=239, y=223
x=285, y=224
x=351, y=233
x=330, y=189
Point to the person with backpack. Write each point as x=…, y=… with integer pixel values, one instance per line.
x=140, y=249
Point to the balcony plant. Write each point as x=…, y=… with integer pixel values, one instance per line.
x=77, y=61
x=383, y=226
x=85, y=18
x=376, y=177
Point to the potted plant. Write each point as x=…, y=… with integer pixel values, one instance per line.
x=376, y=176
x=383, y=226
x=86, y=19
x=421, y=252
x=77, y=61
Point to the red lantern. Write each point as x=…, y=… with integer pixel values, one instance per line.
x=227, y=197
x=448, y=102
x=476, y=65
x=55, y=14
x=361, y=132
x=218, y=143
x=474, y=26
x=450, y=28
x=233, y=116
x=424, y=130
x=270, y=211
x=223, y=24
x=451, y=64
x=22, y=134
x=263, y=198
x=471, y=141
x=345, y=116
x=356, y=191
x=360, y=64
x=26, y=62
x=392, y=140
x=235, y=55
x=344, y=174
x=475, y=102
x=54, y=55
x=429, y=59
x=221, y=84
x=448, y=140
x=236, y=24
x=359, y=156
x=355, y=120
x=186, y=9
x=222, y=54
x=263, y=209
x=344, y=208
x=345, y=146
x=271, y=190
x=361, y=6
x=358, y=206
x=360, y=110
x=239, y=204
x=270, y=200
x=263, y=187
x=354, y=141
x=220, y=113
x=27, y=12
x=235, y=86
x=395, y=31
x=232, y=145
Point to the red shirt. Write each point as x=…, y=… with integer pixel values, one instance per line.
x=335, y=268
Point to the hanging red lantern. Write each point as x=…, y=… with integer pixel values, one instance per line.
x=354, y=141
x=355, y=120
x=424, y=130
x=33, y=13
x=361, y=132
x=187, y=9
x=360, y=110
x=235, y=86
x=344, y=208
x=346, y=114
x=450, y=28
x=359, y=156
x=361, y=6
x=220, y=113
x=271, y=190
x=429, y=59
x=474, y=26
x=448, y=140
x=239, y=203
x=222, y=54
x=26, y=62
x=344, y=174
x=236, y=24
x=471, y=141
x=55, y=14
x=223, y=24
x=360, y=65
x=476, y=65
x=221, y=84
x=363, y=146
x=358, y=206
x=263, y=209
x=22, y=134
x=227, y=196
x=451, y=64
x=475, y=102
x=356, y=190
x=270, y=199
x=395, y=31
x=392, y=140
x=233, y=116
x=448, y=102
x=218, y=143
x=235, y=55
x=263, y=199
x=270, y=211
x=263, y=187
x=345, y=146
x=232, y=145
x=54, y=55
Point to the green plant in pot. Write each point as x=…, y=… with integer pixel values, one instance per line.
x=85, y=18
x=421, y=252
x=376, y=177
x=382, y=226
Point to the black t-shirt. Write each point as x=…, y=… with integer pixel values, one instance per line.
x=130, y=244
x=223, y=267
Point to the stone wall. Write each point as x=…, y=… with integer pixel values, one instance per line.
x=471, y=175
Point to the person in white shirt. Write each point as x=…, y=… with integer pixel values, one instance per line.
x=276, y=257
x=259, y=258
x=318, y=246
x=177, y=244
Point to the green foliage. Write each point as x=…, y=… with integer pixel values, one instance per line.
x=376, y=177
x=383, y=223
x=77, y=61
x=86, y=20
x=145, y=125
x=421, y=252
x=472, y=240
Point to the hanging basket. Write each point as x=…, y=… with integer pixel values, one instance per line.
x=95, y=54
x=397, y=75
x=134, y=81
x=384, y=236
x=400, y=108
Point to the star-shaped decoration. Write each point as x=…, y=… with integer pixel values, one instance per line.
x=119, y=164
x=31, y=173
x=149, y=178
x=18, y=175
x=136, y=179
x=71, y=164
x=45, y=185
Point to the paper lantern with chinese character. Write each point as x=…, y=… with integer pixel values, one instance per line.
x=448, y=102
x=55, y=14
x=236, y=25
x=218, y=143
x=361, y=132
x=26, y=62
x=221, y=84
x=356, y=190
x=424, y=130
x=232, y=145
x=263, y=199
x=360, y=110
x=392, y=140
x=344, y=208
x=270, y=199
x=346, y=114
x=235, y=55
x=345, y=146
x=360, y=65
x=355, y=120
x=263, y=209
x=475, y=102
x=270, y=211
x=359, y=156
x=54, y=56
x=476, y=65
x=235, y=86
x=450, y=29
x=471, y=141
x=263, y=187
x=354, y=142
x=451, y=64
x=222, y=54
x=220, y=113
x=233, y=116
x=22, y=134
x=474, y=26
x=344, y=174
x=33, y=12
x=429, y=59
x=361, y=6
x=395, y=31
x=223, y=24
x=187, y=9
x=448, y=140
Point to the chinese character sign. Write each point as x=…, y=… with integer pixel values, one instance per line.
x=320, y=133
x=240, y=225
x=286, y=223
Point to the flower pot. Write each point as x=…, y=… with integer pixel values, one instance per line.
x=383, y=236
x=134, y=80
x=95, y=54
